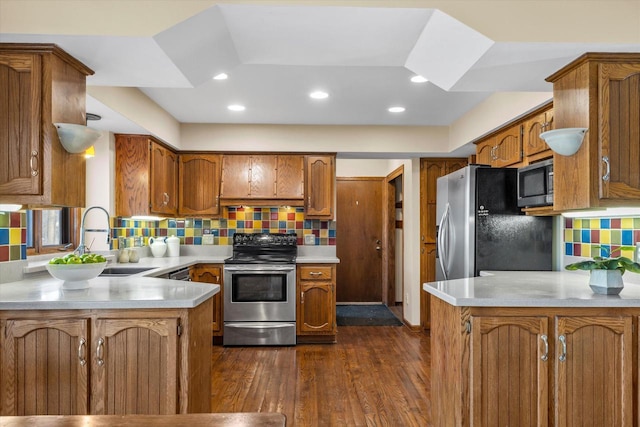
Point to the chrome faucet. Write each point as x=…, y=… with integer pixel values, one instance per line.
x=82, y=248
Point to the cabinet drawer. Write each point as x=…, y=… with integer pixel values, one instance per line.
x=316, y=272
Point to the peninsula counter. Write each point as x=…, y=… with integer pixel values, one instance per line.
x=533, y=348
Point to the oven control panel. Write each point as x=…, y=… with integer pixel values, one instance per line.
x=265, y=239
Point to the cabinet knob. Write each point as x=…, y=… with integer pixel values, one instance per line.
x=545, y=355
x=563, y=355
x=607, y=165
x=33, y=163
x=81, y=352
x=100, y=352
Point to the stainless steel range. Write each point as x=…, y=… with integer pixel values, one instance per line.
x=260, y=290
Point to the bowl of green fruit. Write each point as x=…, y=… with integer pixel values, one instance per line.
x=76, y=270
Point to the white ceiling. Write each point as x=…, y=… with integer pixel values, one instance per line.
x=275, y=55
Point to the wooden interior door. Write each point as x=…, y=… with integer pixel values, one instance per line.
x=359, y=231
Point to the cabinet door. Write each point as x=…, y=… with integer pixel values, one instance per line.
x=594, y=384
x=44, y=367
x=199, y=180
x=485, y=152
x=236, y=176
x=164, y=180
x=316, y=310
x=208, y=273
x=316, y=306
x=20, y=99
x=132, y=175
x=532, y=128
x=135, y=366
x=509, y=371
x=320, y=175
x=263, y=177
x=508, y=147
x=619, y=118
x=290, y=177
x=427, y=274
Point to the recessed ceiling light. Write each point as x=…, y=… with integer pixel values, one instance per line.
x=418, y=79
x=318, y=94
x=221, y=76
x=396, y=109
x=236, y=107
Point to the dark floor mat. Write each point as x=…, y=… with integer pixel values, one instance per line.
x=366, y=315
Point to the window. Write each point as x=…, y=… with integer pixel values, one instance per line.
x=50, y=230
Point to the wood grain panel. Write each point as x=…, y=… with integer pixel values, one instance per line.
x=619, y=116
x=42, y=373
x=509, y=381
x=290, y=177
x=484, y=152
x=236, y=178
x=199, y=179
x=211, y=273
x=128, y=345
x=262, y=178
x=19, y=114
x=594, y=384
x=164, y=180
x=450, y=359
x=319, y=192
x=508, y=149
x=132, y=175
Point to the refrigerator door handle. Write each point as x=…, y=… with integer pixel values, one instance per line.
x=443, y=229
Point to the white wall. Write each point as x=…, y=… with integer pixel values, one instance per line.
x=100, y=190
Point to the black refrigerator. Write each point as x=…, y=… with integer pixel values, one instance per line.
x=479, y=225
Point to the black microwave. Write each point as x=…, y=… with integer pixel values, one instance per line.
x=535, y=184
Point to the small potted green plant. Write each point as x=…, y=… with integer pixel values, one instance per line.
x=606, y=272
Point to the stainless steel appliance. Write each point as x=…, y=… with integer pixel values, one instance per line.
x=535, y=184
x=480, y=227
x=260, y=290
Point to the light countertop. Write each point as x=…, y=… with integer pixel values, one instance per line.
x=530, y=289
x=40, y=291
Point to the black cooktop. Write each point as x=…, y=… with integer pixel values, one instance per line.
x=264, y=248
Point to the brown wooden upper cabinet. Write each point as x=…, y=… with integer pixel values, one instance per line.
x=262, y=179
x=146, y=177
x=518, y=142
x=532, y=144
x=199, y=179
x=601, y=92
x=502, y=149
x=40, y=84
x=320, y=177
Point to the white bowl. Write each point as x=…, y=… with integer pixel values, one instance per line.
x=75, y=276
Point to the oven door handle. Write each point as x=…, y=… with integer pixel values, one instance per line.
x=262, y=268
x=260, y=326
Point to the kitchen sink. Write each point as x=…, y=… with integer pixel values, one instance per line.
x=123, y=271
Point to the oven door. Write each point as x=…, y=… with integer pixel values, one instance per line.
x=260, y=293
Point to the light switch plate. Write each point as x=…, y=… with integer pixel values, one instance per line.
x=309, y=239
x=207, y=239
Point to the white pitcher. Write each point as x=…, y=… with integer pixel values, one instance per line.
x=158, y=246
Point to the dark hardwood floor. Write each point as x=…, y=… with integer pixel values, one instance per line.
x=373, y=376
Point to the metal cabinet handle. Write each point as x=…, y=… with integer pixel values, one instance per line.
x=315, y=273
x=563, y=355
x=81, y=351
x=302, y=297
x=545, y=355
x=217, y=201
x=607, y=174
x=100, y=351
x=33, y=163
x=165, y=199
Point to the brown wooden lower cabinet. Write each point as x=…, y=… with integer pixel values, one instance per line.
x=143, y=361
x=211, y=273
x=316, y=305
x=533, y=366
